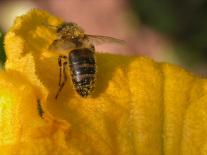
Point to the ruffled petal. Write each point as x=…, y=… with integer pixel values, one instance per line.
x=138, y=107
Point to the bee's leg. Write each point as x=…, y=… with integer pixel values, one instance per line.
x=60, y=59
x=62, y=71
x=60, y=68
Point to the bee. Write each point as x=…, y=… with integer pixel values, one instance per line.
x=80, y=56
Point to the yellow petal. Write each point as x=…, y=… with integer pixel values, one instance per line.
x=138, y=107
x=22, y=130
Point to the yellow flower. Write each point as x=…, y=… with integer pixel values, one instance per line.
x=138, y=107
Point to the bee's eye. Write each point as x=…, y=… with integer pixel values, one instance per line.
x=70, y=24
x=62, y=27
x=59, y=29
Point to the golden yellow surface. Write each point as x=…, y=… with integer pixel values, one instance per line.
x=139, y=106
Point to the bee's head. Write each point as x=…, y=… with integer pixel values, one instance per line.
x=70, y=31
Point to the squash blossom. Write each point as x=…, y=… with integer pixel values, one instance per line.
x=138, y=107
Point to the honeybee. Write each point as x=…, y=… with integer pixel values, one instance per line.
x=80, y=58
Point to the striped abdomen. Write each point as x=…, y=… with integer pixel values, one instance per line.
x=83, y=69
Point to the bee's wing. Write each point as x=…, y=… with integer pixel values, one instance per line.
x=97, y=40
x=61, y=44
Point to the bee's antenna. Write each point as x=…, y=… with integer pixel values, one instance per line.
x=48, y=25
